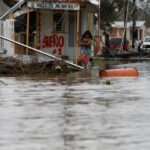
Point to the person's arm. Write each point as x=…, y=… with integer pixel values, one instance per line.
x=79, y=41
x=87, y=43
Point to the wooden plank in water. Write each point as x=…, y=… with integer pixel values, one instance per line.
x=43, y=53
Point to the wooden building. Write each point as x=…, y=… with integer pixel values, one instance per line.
x=53, y=26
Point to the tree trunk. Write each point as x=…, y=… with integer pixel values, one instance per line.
x=134, y=23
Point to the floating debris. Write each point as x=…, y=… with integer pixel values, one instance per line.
x=12, y=66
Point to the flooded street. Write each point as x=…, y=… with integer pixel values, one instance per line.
x=77, y=112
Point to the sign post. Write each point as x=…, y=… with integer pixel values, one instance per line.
x=77, y=36
x=27, y=30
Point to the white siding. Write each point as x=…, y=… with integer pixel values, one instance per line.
x=8, y=29
x=3, y=8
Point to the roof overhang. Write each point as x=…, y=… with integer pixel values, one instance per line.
x=13, y=9
x=120, y=24
x=94, y=2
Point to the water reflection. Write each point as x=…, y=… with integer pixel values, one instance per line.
x=76, y=112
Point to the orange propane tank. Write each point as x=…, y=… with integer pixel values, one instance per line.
x=124, y=72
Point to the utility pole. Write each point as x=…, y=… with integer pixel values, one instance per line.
x=134, y=23
x=99, y=18
x=27, y=28
x=125, y=19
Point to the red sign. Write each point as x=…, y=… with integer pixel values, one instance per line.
x=56, y=42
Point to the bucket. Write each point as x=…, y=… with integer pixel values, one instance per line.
x=124, y=72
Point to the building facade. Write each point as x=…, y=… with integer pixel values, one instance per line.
x=52, y=26
x=118, y=30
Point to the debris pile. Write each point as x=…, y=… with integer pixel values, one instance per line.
x=12, y=66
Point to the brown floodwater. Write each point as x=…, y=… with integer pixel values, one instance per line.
x=76, y=112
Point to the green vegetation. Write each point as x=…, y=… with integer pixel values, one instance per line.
x=115, y=8
x=117, y=11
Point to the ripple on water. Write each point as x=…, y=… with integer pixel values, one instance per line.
x=77, y=112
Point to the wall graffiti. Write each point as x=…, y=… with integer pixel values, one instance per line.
x=55, y=42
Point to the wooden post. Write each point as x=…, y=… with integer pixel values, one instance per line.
x=93, y=33
x=125, y=25
x=77, y=35
x=11, y=15
x=36, y=35
x=134, y=23
x=27, y=30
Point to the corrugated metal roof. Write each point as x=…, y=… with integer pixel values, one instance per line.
x=138, y=23
x=95, y=2
x=120, y=24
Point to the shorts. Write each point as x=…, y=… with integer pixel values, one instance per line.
x=85, y=50
x=85, y=55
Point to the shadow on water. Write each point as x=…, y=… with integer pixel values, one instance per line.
x=78, y=111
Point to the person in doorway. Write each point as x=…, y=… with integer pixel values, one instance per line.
x=85, y=43
x=138, y=45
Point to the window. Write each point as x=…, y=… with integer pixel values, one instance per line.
x=58, y=20
x=71, y=29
